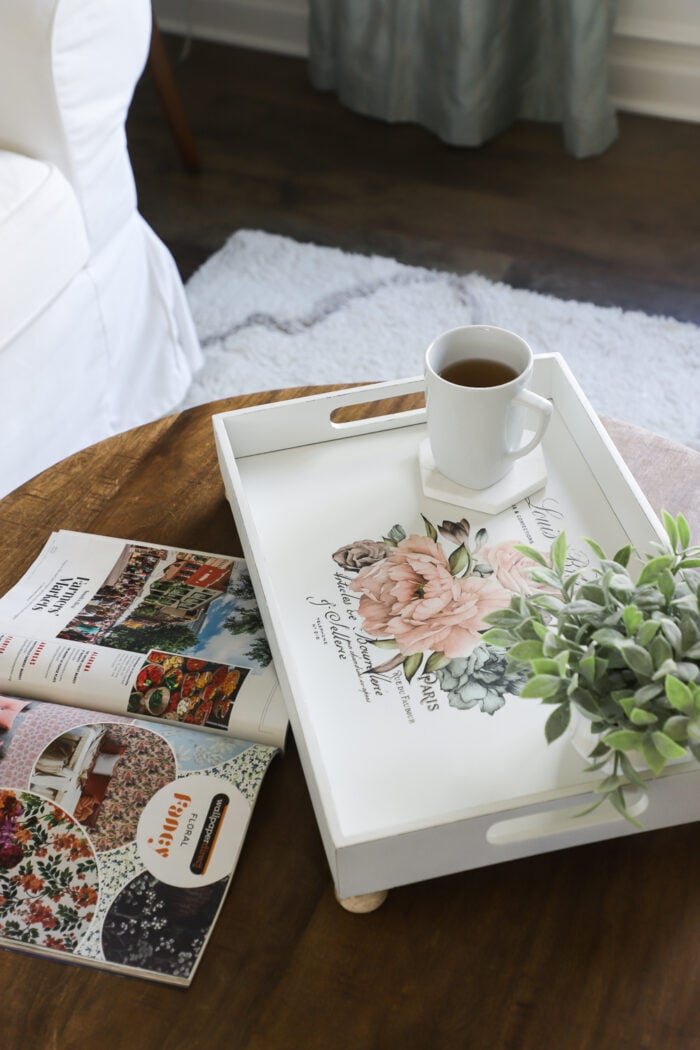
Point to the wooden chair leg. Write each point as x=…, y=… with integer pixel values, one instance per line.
x=169, y=94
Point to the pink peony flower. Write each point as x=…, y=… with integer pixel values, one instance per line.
x=412, y=596
x=511, y=568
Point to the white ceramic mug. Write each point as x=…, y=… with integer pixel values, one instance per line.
x=476, y=432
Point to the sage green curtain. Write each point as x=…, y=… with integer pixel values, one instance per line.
x=467, y=69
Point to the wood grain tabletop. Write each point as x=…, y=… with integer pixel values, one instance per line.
x=590, y=948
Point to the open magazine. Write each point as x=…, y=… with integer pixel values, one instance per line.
x=139, y=711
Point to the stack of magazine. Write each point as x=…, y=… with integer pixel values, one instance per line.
x=139, y=711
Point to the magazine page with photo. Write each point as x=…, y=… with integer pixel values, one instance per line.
x=137, y=629
x=118, y=837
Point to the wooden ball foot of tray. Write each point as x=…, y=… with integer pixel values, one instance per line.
x=364, y=903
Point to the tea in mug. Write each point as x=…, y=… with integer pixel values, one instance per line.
x=478, y=371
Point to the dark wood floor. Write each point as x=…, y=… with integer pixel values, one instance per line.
x=621, y=229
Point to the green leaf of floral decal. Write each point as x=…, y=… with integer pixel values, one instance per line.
x=459, y=560
x=429, y=528
x=411, y=665
x=435, y=661
x=395, y=535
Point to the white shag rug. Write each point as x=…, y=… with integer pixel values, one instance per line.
x=271, y=312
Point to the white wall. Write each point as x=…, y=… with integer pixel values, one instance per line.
x=654, y=58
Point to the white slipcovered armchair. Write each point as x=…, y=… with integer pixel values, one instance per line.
x=95, y=332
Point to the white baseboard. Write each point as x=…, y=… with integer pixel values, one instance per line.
x=655, y=78
x=654, y=63
x=266, y=25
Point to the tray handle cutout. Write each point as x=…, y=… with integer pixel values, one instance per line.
x=346, y=416
x=328, y=416
x=551, y=822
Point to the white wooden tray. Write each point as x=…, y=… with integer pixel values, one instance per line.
x=406, y=784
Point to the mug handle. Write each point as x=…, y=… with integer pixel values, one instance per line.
x=543, y=408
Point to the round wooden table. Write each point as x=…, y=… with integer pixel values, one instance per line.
x=586, y=949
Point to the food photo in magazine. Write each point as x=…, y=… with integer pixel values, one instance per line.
x=135, y=628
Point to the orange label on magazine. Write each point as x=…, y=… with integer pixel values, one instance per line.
x=191, y=831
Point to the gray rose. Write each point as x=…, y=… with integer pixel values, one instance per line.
x=357, y=555
x=481, y=679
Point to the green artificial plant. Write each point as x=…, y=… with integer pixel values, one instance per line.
x=622, y=651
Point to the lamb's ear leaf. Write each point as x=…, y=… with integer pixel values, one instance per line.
x=683, y=531
x=541, y=686
x=559, y=552
x=653, y=568
x=527, y=650
x=630, y=772
x=667, y=746
x=497, y=636
x=596, y=548
x=671, y=528
x=546, y=576
x=652, y=756
x=618, y=800
x=623, y=556
x=557, y=723
x=531, y=553
x=638, y=660
x=624, y=740
x=678, y=694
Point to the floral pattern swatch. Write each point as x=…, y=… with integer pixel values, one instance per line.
x=48, y=874
x=160, y=928
x=146, y=765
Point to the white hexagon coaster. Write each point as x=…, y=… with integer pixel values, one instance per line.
x=527, y=476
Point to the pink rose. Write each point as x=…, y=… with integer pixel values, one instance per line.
x=511, y=568
x=412, y=596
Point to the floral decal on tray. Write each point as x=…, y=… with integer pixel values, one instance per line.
x=48, y=874
x=424, y=598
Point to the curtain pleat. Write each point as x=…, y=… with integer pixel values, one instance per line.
x=467, y=69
